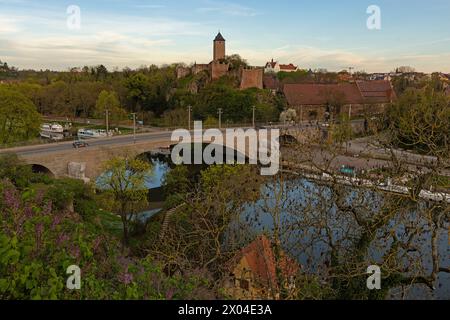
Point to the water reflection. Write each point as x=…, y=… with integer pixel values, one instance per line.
x=156, y=178
x=309, y=218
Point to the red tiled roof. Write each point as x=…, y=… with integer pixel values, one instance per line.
x=260, y=257
x=271, y=64
x=321, y=94
x=350, y=93
x=379, y=91
x=288, y=67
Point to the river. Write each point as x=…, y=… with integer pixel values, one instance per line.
x=307, y=204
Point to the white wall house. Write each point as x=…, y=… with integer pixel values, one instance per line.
x=275, y=67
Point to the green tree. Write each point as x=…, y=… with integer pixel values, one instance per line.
x=138, y=90
x=420, y=120
x=176, y=185
x=39, y=241
x=235, y=104
x=125, y=180
x=108, y=100
x=177, y=117
x=19, y=119
x=13, y=169
x=236, y=62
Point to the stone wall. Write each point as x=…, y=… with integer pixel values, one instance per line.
x=252, y=78
x=198, y=68
x=219, y=50
x=87, y=163
x=219, y=70
x=314, y=112
x=183, y=72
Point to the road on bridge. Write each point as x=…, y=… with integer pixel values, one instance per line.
x=112, y=141
x=127, y=140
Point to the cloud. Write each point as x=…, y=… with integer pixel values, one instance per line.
x=39, y=38
x=9, y=25
x=44, y=41
x=337, y=59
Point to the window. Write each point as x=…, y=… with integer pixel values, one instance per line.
x=244, y=284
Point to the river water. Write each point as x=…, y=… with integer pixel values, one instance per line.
x=306, y=206
x=307, y=209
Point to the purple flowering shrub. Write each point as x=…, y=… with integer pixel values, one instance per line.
x=39, y=242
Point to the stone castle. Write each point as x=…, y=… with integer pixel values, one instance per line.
x=250, y=77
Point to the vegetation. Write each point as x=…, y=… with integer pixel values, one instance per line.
x=420, y=121
x=153, y=92
x=40, y=237
x=19, y=119
x=236, y=104
x=334, y=230
x=108, y=101
x=124, y=179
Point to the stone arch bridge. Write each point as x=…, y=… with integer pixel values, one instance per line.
x=63, y=160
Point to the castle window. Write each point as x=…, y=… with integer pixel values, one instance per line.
x=244, y=284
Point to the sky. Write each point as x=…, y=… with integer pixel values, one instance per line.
x=312, y=34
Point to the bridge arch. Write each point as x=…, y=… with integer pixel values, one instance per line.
x=167, y=152
x=39, y=168
x=288, y=139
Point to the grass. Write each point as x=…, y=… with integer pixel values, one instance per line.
x=111, y=223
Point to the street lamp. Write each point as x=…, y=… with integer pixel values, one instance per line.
x=134, y=127
x=189, y=117
x=254, y=113
x=220, y=118
x=107, y=122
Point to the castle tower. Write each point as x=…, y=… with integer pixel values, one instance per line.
x=219, y=47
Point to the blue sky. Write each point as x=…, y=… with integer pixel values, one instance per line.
x=311, y=33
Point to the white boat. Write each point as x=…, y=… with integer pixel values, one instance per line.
x=91, y=134
x=52, y=131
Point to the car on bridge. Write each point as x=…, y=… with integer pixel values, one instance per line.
x=80, y=144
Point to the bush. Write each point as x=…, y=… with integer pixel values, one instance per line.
x=38, y=243
x=17, y=172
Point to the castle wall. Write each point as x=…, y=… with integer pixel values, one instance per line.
x=198, y=68
x=219, y=70
x=183, y=72
x=252, y=78
x=315, y=112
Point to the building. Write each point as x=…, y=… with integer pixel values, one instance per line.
x=271, y=82
x=380, y=76
x=275, y=67
x=253, y=272
x=345, y=76
x=219, y=48
x=251, y=77
x=323, y=101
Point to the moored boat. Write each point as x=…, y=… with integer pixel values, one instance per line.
x=91, y=134
x=52, y=131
